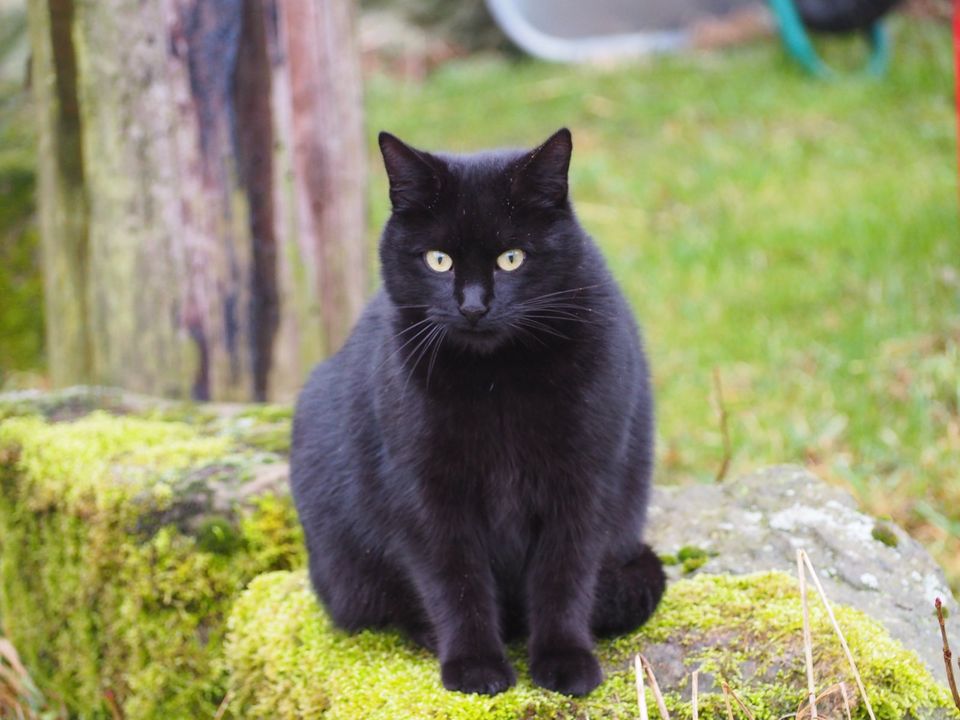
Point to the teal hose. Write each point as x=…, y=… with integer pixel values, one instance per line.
x=799, y=46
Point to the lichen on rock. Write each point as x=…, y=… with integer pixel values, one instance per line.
x=286, y=660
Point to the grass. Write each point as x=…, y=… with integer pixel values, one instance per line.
x=799, y=237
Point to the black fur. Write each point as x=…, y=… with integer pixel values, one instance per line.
x=475, y=463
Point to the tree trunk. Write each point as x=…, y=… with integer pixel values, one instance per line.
x=204, y=234
x=62, y=206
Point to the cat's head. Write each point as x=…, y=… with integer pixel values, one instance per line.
x=484, y=246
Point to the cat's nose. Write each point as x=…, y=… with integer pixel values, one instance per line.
x=473, y=312
x=472, y=307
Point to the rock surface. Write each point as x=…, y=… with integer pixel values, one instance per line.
x=756, y=523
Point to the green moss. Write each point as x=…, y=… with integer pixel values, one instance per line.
x=689, y=552
x=64, y=404
x=885, y=534
x=694, y=563
x=217, y=535
x=260, y=427
x=271, y=438
x=669, y=559
x=287, y=661
x=692, y=558
x=115, y=573
x=268, y=413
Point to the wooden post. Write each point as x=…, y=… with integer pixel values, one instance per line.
x=221, y=164
x=62, y=206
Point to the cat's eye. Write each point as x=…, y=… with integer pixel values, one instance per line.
x=438, y=261
x=511, y=260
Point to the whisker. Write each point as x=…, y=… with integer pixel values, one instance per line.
x=560, y=303
x=526, y=333
x=564, y=292
x=421, y=350
x=564, y=318
x=418, y=334
x=433, y=355
x=542, y=327
x=553, y=310
x=564, y=306
x=411, y=327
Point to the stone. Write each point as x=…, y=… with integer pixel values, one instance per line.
x=757, y=523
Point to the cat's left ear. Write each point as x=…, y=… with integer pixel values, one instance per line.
x=540, y=178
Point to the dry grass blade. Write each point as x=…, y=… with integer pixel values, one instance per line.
x=11, y=682
x=655, y=689
x=743, y=706
x=9, y=653
x=694, y=690
x=15, y=684
x=846, y=700
x=19, y=696
x=728, y=693
x=724, y=427
x=222, y=709
x=726, y=699
x=836, y=629
x=829, y=703
x=641, y=692
x=807, y=642
x=9, y=704
x=947, y=655
x=111, y=699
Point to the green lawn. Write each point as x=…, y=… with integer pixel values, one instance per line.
x=800, y=238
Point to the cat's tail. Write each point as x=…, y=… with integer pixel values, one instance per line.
x=628, y=592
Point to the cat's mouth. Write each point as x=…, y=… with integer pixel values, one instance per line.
x=479, y=337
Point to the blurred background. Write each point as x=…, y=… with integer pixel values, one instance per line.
x=190, y=197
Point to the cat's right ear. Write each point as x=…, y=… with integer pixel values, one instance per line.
x=414, y=176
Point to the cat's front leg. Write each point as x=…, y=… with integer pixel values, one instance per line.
x=561, y=581
x=457, y=588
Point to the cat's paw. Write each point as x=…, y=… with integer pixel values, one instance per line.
x=571, y=671
x=483, y=675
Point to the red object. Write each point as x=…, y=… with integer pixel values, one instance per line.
x=956, y=75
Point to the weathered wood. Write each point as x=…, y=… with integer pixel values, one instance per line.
x=63, y=210
x=317, y=109
x=224, y=252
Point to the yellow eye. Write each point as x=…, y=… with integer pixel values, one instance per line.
x=438, y=261
x=511, y=260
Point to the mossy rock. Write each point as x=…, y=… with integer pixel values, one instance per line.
x=125, y=539
x=286, y=660
x=130, y=526
x=258, y=427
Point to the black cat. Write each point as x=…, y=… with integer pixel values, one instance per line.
x=475, y=463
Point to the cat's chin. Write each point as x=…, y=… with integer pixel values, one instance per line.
x=480, y=341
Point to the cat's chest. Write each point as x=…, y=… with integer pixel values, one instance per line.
x=514, y=412
x=504, y=435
